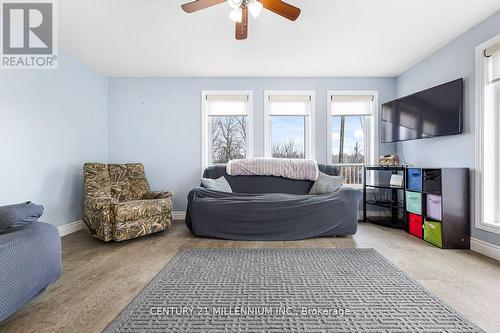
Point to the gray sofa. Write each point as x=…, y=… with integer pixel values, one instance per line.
x=270, y=208
x=30, y=260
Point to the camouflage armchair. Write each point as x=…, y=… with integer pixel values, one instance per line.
x=119, y=205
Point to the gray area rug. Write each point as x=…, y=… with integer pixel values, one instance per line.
x=280, y=290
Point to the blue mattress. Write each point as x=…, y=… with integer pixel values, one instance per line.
x=30, y=260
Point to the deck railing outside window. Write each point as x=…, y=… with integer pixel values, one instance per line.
x=352, y=173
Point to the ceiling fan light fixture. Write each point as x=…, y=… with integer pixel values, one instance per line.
x=255, y=8
x=235, y=4
x=241, y=8
x=236, y=15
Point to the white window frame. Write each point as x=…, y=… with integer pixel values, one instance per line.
x=481, y=77
x=310, y=121
x=372, y=137
x=205, y=130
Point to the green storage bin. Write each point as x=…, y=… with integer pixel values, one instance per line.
x=414, y=202
x=433, y=233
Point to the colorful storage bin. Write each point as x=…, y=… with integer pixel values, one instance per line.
x=414, y=202
x=414, y=179
x=433, y=204
x=415, y=224
x=432, y=181
x=433, y=233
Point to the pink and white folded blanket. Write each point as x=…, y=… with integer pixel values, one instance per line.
x=297, y=169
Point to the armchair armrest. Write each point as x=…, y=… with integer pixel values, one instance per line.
x=157, y=195
x=98, y=215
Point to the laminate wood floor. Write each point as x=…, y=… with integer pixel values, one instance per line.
x=100, y=279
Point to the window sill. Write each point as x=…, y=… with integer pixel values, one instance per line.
x=355, y=186
x=360, y=187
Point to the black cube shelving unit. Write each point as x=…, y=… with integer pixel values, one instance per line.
x=396, y=206
x=449, y=216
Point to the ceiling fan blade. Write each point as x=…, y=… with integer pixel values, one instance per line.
x=282, y=8
x=197, y=5
x=242, y=28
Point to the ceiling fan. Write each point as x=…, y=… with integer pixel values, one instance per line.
x=240, y=9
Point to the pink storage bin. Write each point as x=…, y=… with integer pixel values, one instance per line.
x=434, y=207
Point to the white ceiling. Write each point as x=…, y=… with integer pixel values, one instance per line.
x=330, y=38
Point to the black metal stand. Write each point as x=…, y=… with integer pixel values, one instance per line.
x=394, y=204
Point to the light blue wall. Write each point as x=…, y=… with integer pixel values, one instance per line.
x=54, y=121
x=157, y=121
x=51, y=122
x=451, y=62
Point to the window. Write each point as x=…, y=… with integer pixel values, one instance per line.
x=227, y=126
x=488, y=136
x=352, y=138
x=289, y=124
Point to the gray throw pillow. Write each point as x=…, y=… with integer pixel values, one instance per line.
x=19, y=214
x=219, y=184
x=326, y=184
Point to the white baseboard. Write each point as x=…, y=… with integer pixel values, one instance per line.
x=487, y=249
x=71, y=228
x=178, y=215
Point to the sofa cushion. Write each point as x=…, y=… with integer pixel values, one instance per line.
x=326, y=184
x=272, y=216
x=138, y=209
x=219, y=184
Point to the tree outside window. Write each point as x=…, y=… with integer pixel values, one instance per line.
x=289, y=123
x=288, y=137
x=226, y=126
x=351, y=132
x=229, y=138
x=348, y=139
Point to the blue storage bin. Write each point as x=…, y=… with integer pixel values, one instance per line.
x=414, y=179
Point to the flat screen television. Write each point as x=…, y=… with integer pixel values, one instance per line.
x=426, y=114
